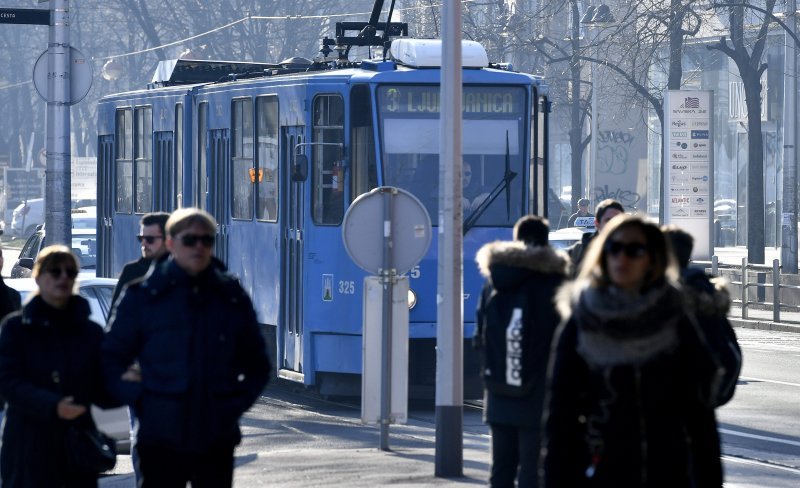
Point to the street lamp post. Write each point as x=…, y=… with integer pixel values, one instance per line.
x=596, y=19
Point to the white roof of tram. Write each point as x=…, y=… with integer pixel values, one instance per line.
x=427, y=53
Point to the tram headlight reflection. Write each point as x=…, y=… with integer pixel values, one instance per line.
x=412, y=299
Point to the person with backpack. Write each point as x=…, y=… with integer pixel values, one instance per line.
x=516, y=320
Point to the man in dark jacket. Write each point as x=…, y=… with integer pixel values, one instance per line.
x=203, y=361
x=516, y=320
x=605, y=211
x=152, y=237
x=583, y=211
x=10, y=301
x=708, y=300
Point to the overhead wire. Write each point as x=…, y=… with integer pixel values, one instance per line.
x=263, y=17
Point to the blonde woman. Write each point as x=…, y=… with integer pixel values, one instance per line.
x=49, y=376
x=631, y=373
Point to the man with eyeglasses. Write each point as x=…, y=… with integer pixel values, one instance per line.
x=203, y=361
x=152, y=238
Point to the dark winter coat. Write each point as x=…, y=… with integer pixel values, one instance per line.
x=131, y=271
x=10, y=301
x=202, y=357
x=526, y=277
x=45, y=355
x=578, y=250
x=632, y=383
x=710, y=300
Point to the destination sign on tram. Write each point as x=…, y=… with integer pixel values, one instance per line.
x=426, y=100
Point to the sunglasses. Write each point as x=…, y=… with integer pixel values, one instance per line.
x=632, y=250
x=57, y=272
x=149, y=239
x=191, y=240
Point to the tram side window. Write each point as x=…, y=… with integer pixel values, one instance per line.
x=124, y=160
x=267, y=171
x=243, y=176
x=328, y=168
x=200, y=185
x=364, y=175
x=178, y=203
x=143, y=151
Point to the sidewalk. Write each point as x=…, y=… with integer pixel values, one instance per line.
x=292, y=441
x=762, y=320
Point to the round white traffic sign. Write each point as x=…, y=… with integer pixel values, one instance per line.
x=80, y=80
x=365, y=226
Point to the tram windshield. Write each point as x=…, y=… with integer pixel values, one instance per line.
x=494, y=118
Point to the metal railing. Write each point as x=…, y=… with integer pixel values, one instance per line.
x=745, y=285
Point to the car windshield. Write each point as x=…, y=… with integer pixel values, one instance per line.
x=85, y=247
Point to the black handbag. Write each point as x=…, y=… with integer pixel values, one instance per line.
x=90, y=450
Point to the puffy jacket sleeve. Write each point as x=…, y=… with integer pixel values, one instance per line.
x=564, y=452
x=715, y=356
x=252, y=361
x=120, y=347
x=33, y=400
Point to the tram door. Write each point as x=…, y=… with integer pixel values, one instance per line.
x=291, y=322
x=105, y=204
x=164, y=169
x=218, y=187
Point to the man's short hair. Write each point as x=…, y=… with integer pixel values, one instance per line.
x=532, y=230
x=682, y=243
x=155, y=218
x=605, y=205
x=184, y=218
x=583, y=202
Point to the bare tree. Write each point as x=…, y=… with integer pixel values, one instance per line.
x=746, y=49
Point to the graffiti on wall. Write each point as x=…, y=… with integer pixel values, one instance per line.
x=617, y=174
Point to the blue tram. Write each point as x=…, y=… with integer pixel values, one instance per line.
x=225, y=137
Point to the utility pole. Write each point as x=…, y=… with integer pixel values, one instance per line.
x=58, y=221
x=449, y=456
x=789, y=218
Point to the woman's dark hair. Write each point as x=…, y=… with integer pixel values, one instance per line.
x=662, y=261
x=682, y=243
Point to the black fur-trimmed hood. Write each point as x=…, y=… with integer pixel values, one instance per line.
x=515, y=254
x=707, y=296
x=509, y=263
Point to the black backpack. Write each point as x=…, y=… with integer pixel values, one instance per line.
x=507, y=344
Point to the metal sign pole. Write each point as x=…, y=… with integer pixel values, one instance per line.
x=449, y=456
x=386, y=329
x=57, y=174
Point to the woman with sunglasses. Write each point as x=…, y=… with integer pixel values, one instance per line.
x=631, y=371
x=49, y=375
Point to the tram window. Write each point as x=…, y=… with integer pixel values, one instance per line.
x=243, y=176
x=143, y=151
x=178, y=203
x=267, y=170
x=124, y=160
x=328, y=169
x=364, y=174
x=200, y=183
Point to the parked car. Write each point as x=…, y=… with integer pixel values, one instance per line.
x=564, y=238
x=26, y=217
x=98, y=292
x=84, y=245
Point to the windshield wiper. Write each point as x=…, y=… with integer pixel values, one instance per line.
x=504, y=183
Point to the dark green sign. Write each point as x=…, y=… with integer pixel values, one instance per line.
x=422, y=100
x=24, y=16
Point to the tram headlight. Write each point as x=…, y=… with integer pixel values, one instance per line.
x=412, y=299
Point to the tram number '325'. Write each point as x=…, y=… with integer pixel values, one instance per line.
x=347, y=287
